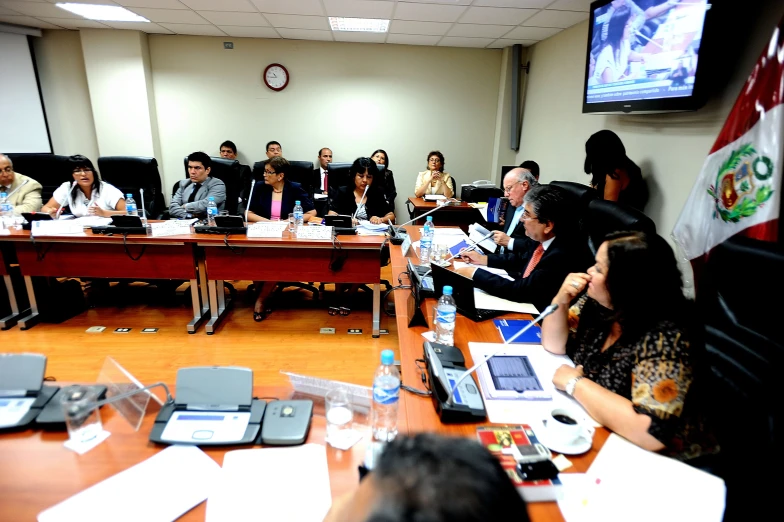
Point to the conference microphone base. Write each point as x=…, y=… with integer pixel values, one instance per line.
x=445, y=366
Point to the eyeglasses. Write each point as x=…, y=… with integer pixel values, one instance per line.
x=527, y=215
x=82, y=169
x=268, y=173
x=509, y=189
x=434, y=160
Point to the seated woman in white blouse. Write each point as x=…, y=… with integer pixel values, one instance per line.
x=87, y=194
x=434, y=180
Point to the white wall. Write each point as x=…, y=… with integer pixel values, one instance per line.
x=670, y=148
x=58, y=56
x=353, y=98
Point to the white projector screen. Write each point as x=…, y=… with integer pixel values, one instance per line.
x=24, y=128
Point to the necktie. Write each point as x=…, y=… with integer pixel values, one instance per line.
x=534, y=260
x=196, y=188
x=326, y=182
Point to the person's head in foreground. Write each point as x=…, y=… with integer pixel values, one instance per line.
x=431, y=478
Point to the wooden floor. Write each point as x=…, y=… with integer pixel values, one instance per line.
x=288, y=339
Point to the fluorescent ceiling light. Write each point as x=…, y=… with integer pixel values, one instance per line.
x=107, y=13
x=368, y=25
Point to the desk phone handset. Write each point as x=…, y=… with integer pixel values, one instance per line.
x=483, y=183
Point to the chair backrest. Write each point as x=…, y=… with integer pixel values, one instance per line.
x=131, y=173
x=745, y=353
x=302, y=172
x=339, y=175
x=50, y=170
x=228, y=171
x=584, y=194
x=606, y=217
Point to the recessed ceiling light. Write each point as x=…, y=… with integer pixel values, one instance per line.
x=368, y=25
x=107, y=13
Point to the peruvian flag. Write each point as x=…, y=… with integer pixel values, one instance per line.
x=739, y=187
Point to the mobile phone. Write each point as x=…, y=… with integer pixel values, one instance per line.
x=541, y=470
x=528, y=452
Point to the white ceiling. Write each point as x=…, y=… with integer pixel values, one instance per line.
x=456, y=23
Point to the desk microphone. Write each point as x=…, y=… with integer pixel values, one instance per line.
x=17, y=188
x=247, y=207
x=360, y=204
x=75, y=410
x=547, y=311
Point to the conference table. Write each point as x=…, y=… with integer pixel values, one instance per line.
x=206, y=260
x=459, y=215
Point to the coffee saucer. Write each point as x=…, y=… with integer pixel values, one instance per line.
x=577, y=447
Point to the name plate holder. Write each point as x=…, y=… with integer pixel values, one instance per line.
x=170, y=228
x=56, y=228
x=267, y=229
x=314, y=232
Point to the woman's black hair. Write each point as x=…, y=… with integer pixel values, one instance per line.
x=79, y=161
x=604, y=154
x=615, y=29
x=644, y=282
x=437, y=154
x=361, y=165
x=386, y=156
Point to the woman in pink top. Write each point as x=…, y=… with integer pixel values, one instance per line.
x=272, y=200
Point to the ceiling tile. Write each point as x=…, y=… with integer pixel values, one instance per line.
x=305, y=34
x=172, y=16
x=572, y=5
x=451, y=2
x=220, y=5
x=95, y=2
x=459, y=41
x=4, y=11
x=301, y=7
x=76, y=24
x=160, y=4
x=428, y=12
x=249, y=32
x=503, y=42
x=520, y=4
x=39, y=9
x=359, y=36
x=205, y=30
x=496, y=15
x=479, y=31
x=28, y=21
x=223, y=18
x=562, y=19
x=145, y=27
x=412, y=39
x=359, y=8
x=298, y=22
x=421, y=28
x=531, y=33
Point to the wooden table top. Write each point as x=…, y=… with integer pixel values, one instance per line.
x=420, y=410
x=421, y=204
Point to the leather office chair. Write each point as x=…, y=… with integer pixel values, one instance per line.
x=745, y=354
x=131, y=173
x=50, y=170
x=583, y=193
x=606, y=217
x=228, y=171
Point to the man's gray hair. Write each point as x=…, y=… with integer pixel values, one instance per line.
x=7, y=159
x=525, y=175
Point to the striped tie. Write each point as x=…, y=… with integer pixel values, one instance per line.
x=534, y=260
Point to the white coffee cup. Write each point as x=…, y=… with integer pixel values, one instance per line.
x=566, y=427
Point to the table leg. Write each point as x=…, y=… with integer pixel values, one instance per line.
x=217, y=305
x=32, y=319
x=11, y=320
x=376, y=310
x=199, y=297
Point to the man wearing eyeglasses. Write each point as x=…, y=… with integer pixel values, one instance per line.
x=517, y=183
x=23, y=193
x=552, y=253
x=192, y=196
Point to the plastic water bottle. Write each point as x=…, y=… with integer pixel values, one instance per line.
x=212, y=211
x=130, y=205
x=299, y=215
x=386, y=393
x=6, y=210
x=426, y=241
x=446, y=310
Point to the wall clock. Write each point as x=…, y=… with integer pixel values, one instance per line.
x=276, y=77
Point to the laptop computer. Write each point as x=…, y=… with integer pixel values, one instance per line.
x=462, y=292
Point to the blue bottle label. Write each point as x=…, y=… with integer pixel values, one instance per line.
x=386, y=395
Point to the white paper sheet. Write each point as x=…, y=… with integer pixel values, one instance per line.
x=606, y=494
x=267, y=229
x=280, y=484
x=477, y=232
x=485, y=301
x=505, y=411
x=434, y=197
x=497, y=271
x=160, y=489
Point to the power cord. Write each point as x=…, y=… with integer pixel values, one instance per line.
x=423, y=376
x=234, y=250
x=40, y=253
x=128, y=252
x=337, y=257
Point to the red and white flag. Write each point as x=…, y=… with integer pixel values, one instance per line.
x=738, y=190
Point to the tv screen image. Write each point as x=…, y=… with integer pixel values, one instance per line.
x=643, y=50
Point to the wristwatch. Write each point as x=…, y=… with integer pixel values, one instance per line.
x=569, y=388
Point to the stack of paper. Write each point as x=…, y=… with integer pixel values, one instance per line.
x=366, y=228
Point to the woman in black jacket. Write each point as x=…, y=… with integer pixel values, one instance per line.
x=361, y=200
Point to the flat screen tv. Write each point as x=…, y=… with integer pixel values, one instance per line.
x=643, y=56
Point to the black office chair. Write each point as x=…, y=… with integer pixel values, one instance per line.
x=50, y=170
x=606, y=217
x=584, y=194
x=228, y=171
x=745, y=354
x=131, y=173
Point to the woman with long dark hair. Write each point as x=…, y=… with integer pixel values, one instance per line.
x=614, y=175
x=612, y=63
x=636, y=345
x=86, y=194
x=381, y=157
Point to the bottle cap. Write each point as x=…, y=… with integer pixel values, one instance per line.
x=430, y=218
x=296, y=202
x=447, y=290
x=387, y=357
x=211, y=198
x=3, y=195
x=129, y=195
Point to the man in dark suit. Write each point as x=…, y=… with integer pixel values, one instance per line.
x=551, y=255
x=320, y=181
x=228, y=150
x=512, y=238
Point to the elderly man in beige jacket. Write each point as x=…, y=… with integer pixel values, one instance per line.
x=23, y=192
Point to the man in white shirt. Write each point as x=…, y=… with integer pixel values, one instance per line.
x=517, y=183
